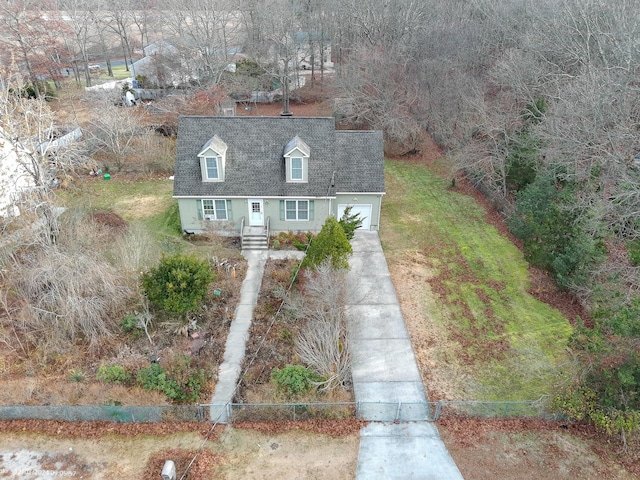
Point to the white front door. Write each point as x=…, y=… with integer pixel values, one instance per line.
x=256, y=212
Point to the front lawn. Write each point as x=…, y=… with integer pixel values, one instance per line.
x=475, y=316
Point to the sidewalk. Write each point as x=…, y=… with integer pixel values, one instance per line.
x=386, y=378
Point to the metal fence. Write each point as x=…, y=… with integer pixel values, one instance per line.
x=228, y=413
x=109, y=413
x=384, y=412
x=290, y=411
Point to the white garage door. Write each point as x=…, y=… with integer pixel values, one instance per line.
x=363, y=210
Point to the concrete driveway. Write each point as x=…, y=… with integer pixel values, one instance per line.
x=400, y=443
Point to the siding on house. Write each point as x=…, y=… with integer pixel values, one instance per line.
x=192, y=221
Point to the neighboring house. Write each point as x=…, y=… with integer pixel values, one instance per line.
x=163, y=65
x=282, y=173
x=168, y=64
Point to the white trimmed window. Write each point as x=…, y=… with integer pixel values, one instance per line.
x=296, y=209
x=212, y=159
x=212, y=168
x=296, y=157
x=214, y=209
x=297, y=169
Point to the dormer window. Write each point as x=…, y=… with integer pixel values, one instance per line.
x=296, y=158
x=213, y=170
x=212, y=160
x=297, y=171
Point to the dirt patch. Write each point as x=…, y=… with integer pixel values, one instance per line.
x=299, y=109
x=110, y=220
x=102, y=450
x=532, y=449
x=306, y=102
x=289, y=456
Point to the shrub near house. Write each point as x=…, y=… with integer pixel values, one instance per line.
x=331, y=244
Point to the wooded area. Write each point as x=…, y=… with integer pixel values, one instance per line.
x=537, y=102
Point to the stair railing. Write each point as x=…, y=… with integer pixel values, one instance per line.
x=242, y=233
x=268, y=222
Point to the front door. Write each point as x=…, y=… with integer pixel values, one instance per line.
x=256, y=212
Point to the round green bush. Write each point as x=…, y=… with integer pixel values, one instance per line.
x=178, y=284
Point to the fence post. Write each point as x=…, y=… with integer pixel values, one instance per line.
x=229, y=412
x=398, y=411
x=438, y=410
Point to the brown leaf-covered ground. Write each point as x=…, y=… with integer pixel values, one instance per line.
x=486, y=449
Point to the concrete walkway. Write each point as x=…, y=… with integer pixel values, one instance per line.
x=231, y=367
x=386, y=380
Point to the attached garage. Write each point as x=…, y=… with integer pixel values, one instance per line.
x=363, y=210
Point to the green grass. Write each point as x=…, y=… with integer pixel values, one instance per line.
x=512, y=344
x=148, y=202
x=145, y=202
x=119, y=73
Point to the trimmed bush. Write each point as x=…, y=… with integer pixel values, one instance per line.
x=178, y=284
x=330, y=244
x=350, y=222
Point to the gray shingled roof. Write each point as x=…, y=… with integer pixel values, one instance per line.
x=296, y=142
x=254, y=160
x=216, y=144
x=360, y=162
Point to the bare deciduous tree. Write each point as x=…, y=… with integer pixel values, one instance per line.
x=30, y=32
x=209, y=31
x=26, y=127
x=114, y=130
x=322, y=343
x=81, y=22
